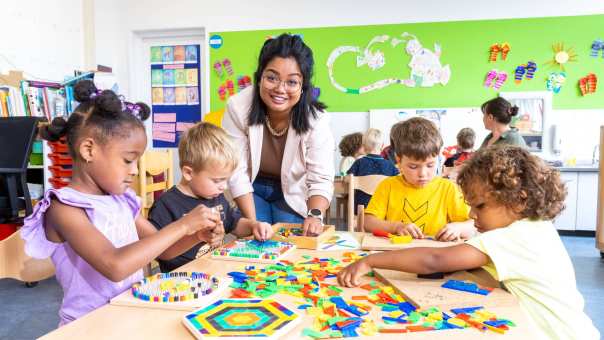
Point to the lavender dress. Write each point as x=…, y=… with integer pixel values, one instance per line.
x=84, y=288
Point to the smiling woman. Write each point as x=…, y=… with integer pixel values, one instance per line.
x=286, y=172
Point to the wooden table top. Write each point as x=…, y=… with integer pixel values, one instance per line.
x=115, y=322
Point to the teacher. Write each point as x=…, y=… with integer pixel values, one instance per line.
x=497, y=115
x=287, y=160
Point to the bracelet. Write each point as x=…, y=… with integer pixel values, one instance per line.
x=174, y=287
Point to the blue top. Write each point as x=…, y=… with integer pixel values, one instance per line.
x=370, y=165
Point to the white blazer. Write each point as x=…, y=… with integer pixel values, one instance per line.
x=307, y=168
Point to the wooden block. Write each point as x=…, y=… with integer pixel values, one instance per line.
x=371, y=242
x=303, y=242
x=429, y=293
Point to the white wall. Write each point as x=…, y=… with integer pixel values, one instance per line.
x=44, y=38
x=115, y=22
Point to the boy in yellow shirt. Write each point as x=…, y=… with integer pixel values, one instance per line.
x=418, y=203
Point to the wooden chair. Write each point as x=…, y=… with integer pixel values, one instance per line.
x=14, y=263
x=366, y=184
x=152, y=165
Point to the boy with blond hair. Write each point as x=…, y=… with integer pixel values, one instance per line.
x=418, y=203
x=371, y=164
x=207, y=158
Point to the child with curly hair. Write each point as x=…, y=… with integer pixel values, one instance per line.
x=351, y=148
x=513, y=197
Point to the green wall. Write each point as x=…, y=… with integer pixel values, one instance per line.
x=465, y=47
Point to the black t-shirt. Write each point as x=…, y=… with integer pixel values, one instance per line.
x=172, y=205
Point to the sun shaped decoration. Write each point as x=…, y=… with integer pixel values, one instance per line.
x=562, y=55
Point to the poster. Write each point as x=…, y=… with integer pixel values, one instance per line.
x=175, y=92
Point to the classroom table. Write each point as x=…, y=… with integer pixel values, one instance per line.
x=119, y=322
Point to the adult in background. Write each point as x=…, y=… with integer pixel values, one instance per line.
x=497, y=115
x=287, y=168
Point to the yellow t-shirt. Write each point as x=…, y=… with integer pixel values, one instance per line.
x=529, y=259
x=430, y=208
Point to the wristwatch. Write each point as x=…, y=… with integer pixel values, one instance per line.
x=316, y=213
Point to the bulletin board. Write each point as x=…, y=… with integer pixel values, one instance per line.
x=175, y=92
x=358, y=68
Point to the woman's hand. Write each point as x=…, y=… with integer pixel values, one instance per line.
x=200, y=218
x=350, y=276
x=262, y=231
x=408, y=229
x=312, y=226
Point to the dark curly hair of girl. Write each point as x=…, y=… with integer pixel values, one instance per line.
x=350, y=144
x=101, y=114
x=516, y=179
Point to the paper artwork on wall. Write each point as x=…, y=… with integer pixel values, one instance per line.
x=425, y=67
x=562, y=55
x=555, y=80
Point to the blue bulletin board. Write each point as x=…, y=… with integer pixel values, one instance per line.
x=175, y=92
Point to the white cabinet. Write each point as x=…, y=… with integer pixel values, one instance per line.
x=567, y=219
x=587, y=201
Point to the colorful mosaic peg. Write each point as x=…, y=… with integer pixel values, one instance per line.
x=254, y=251
x=287, y=232
x=174, y=287
x=242, y=318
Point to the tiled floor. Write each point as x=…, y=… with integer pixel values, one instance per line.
x=27, y=313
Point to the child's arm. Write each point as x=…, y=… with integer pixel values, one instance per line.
x=262, y=231
x=74, y=227
x=415, y=260
x=455, y=230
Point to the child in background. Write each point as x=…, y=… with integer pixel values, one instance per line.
x=388, y=152
x=417, y=203
x=208, y=157
x=351, y=149
x=371, y=164
x=463, y=151
x=513, y=196
x=92, y=229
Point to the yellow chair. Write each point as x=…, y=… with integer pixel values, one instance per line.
x=366, y=184
x=151, y=164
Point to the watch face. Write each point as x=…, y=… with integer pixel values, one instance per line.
x=315, y=212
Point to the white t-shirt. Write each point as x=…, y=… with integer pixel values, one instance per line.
x=529, y=259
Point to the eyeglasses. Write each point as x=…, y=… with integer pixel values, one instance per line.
x=271, y=82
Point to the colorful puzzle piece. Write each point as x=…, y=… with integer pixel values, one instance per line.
x=242, y=318
x=467, y=286
x=254, y=251
x=394, y=239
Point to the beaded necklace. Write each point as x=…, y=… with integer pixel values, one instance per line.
x=275, y=132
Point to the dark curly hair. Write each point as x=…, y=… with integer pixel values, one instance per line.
x=516, y=179
x=101, y=113
x=287, y=46
x=350, y=144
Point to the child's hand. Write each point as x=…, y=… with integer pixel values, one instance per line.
x=262, y=231
x=200, y=218
x=408, y=229
x=351, y=275
x=450, y=232
x=213, y=236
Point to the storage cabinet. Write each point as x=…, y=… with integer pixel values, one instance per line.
x=581, y=201
x=567, y=219
x=587, y=201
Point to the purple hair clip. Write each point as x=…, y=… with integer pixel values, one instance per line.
x=96, y=93
x=132, y=108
